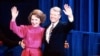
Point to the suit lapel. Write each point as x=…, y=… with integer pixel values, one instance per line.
x=57, y=26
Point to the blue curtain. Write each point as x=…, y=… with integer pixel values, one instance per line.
x=85, y=38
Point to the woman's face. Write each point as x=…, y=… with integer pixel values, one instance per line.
x=35, y=21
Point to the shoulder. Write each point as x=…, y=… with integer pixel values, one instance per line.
x=66, y=23
x=25, y=26
x=42, y=28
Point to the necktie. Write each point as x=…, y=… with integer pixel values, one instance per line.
x=50, y=30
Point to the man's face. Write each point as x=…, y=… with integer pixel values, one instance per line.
x=54, y=16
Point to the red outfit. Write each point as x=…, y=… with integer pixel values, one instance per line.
x=32, y=37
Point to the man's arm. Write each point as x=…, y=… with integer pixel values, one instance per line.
x=6, y=41
x=68, y=11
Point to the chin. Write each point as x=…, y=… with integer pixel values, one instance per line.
x=52, y=21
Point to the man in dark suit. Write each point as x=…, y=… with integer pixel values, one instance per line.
x=56, y=32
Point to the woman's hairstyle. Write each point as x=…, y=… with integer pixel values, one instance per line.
x=38, y=13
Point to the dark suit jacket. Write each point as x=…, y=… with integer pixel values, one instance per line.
x=8, y=42
x=58, y=36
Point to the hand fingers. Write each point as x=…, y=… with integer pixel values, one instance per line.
x=66, y=45
x=14, y=8
x=66, y=5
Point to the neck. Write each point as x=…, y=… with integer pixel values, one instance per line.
x=35, y=25
x=55, y=22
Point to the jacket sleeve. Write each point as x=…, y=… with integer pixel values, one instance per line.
x=68, y=27
x=19, y=30
x=8, y=42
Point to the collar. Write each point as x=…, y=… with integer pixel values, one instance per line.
x=55, y=23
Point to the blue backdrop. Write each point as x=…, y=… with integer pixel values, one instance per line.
x=84, y=39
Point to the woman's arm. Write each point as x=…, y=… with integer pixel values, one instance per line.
x=19, y=30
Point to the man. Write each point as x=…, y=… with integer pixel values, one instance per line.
x=55, y=34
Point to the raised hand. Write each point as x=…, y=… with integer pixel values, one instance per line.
x=14, y=12
x=68, y=11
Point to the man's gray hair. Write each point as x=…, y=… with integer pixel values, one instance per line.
x=56, y=9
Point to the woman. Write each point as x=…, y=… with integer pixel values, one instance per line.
x=32, y=34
